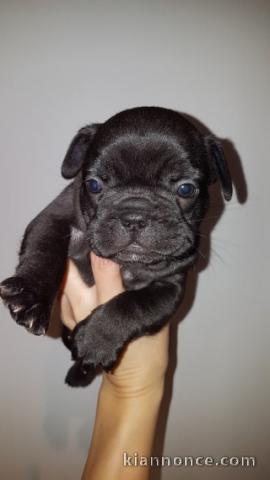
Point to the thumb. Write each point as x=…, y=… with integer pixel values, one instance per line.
x=107, y=278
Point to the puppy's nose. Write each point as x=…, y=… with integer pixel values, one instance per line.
x=132, y=220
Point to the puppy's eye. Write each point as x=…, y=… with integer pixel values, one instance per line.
x=186, y=190
x=94, y=185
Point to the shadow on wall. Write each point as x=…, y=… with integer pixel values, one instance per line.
x=33, y=473
x=59, y=436
x=215, y=211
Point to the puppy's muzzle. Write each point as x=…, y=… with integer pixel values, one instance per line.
x=135, y=213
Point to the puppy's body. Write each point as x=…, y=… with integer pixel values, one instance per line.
x=138, y=196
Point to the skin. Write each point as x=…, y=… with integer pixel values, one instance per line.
x=130, y=396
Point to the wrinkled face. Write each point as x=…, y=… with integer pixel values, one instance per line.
x=143, y=198
x=142, y=178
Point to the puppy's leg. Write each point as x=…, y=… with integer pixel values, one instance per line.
x=100, y=338
x=30, y=293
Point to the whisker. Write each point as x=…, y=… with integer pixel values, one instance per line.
x=224, y=243
x=202, y=235
x=213, y=250
x=209, y=217
x=201, y=254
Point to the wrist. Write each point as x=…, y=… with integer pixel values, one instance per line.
x=133, y=387
x=125, y=423
x=133, y=413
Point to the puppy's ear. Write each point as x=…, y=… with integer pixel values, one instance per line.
x=77, y=150
x=218, y=166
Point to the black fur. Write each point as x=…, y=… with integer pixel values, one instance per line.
x=139, y=156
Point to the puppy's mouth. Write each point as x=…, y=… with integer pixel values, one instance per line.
x=134, y=252
x=134, y=247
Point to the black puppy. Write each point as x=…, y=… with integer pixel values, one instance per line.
x=138, y=196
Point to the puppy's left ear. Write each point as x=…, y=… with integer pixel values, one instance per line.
x=77, y=150
x=218, y=166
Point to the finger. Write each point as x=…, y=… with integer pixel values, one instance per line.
x=83, y=299
x=66, y=312
x=107, y=278
x=73, y=282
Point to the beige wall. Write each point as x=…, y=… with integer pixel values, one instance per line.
x=64, y=64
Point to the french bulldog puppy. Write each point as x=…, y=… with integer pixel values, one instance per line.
x=139, y=191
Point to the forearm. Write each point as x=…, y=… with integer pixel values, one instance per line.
x=125, y=422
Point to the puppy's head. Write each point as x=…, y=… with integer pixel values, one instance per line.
x=145, y=174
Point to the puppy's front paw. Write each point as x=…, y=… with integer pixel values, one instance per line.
x=78, y=376
x=25, y=305
x=96, y=342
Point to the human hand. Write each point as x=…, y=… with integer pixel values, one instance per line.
x=130, y=395
x=144, y=360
